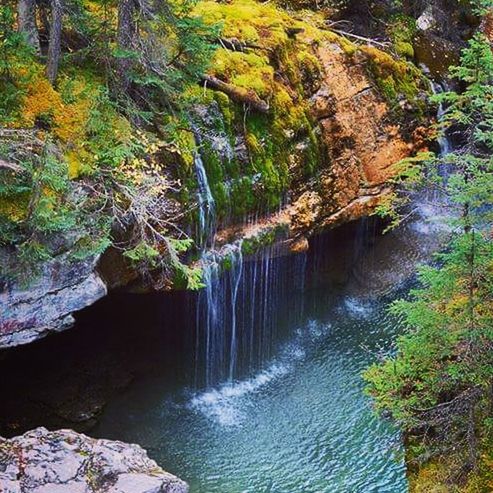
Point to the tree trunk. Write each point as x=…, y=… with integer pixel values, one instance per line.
x=487, y=25
x=54, y=48
x=472, y=440
x=125, y=37
x=26, y=10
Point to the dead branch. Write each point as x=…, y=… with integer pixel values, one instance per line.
x=234, y=44
x=359, y=38
x=15, y=168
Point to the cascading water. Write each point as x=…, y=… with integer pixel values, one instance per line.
x=236, y=272
x=431, y=203
x=207, y=206
x=443, y=140
x=208, y=318
x=236, y=311
x=295, y=358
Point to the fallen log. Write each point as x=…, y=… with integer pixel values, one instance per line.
x=359, y=38
x=237, y=94
x=234, y=44
x=293, y=31
x=15, y=168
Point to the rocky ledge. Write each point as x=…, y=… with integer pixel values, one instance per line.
x=42, y=461
x=340, y=116
x=30, y=311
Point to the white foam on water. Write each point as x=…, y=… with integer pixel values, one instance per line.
x=358, y=308
x=222, y=405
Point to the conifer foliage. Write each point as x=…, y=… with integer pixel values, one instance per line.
x=439, y=384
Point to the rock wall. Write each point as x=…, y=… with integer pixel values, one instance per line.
x=64, y=461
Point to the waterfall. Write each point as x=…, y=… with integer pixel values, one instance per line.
x=211, y=317
x=206, y=203
x=236, y=316
x=236, y=272
x=443, y=140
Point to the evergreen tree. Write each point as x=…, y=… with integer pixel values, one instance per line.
x=439, y=384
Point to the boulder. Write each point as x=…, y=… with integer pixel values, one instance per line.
x=42, y=461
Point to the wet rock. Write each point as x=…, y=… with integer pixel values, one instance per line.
x=360, y=143
x=434, y=52
x=442, y=31
x=64, y=461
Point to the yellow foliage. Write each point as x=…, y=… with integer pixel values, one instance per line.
x=248, y=20
x=387, y=65
x=15, y=208
x=70, y=123
x=41, y=101
x=79, y=161
x=247, y=70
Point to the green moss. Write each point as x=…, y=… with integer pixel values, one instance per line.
x=404, y=49
x=247, y=70
x=346, y=45
x=252, y=245
x=227, y=109
x=280, y=70
x=248, y=20
x=396, y=79
x=401, y=30
x=243, y=199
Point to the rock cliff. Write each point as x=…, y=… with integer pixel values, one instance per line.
x=298, y=130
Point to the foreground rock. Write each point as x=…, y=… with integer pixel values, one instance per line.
x=64, y=461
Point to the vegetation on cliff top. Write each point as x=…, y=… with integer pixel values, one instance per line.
x=105, y=104
x=84, y=136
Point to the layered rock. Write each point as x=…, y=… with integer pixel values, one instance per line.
x=362, y=134
x=361, y=144
x=64, y=461
x=31, y=310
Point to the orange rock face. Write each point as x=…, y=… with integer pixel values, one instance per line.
x=487, y=25
x=360, y=143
